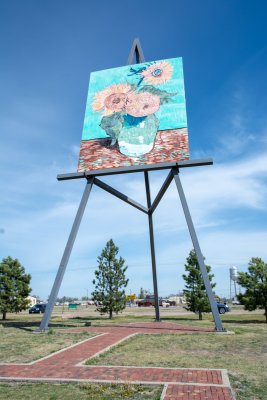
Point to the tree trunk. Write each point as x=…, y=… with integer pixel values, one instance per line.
x=266, y=314
x=110, y=314
x=200, y=315
x=4, y=315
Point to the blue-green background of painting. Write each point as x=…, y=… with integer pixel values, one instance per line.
x=170, y=115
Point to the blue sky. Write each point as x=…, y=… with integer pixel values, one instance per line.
x=48, y=49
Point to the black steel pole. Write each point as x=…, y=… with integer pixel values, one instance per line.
x=152, y=247
x=213, y=305
x=65, y=258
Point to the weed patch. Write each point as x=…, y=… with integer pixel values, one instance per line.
x=46, y=391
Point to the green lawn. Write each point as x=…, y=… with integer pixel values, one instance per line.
x=243, y=354
x=19, y=343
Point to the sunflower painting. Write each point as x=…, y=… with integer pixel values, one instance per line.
x=135, y=115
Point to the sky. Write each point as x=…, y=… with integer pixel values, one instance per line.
x=48, y=50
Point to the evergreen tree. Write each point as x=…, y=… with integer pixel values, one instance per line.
x=110, y=281
x=141, y=294
x=14, y=286
x=255, y=283
x=195, y=292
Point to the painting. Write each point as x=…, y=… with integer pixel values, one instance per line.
x=135, y=115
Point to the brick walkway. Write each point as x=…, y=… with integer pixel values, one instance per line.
x=68, y=365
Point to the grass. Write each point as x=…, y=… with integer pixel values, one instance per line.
x=69, y=391
x=19, y=344
x=243, y=354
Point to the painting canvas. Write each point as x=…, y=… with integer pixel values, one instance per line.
x=135, y=115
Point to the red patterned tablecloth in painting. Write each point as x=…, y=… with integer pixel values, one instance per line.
x=170, y=145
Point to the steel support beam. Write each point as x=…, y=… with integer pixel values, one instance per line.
x=200, y=259
x=120, y=195
x=162, y=191
x=152, y=247
x=137, y=51
x=138, y=168
x=65, y=258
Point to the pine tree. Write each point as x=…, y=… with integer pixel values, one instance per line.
x=110, y=281
x=14, y=286
x=196, y=298
x=255, y=283
x=141, y=294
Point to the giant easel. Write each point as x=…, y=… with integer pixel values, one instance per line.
x=91, y=179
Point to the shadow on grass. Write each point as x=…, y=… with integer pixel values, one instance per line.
x=137, y=321
x=116, y=321
x=90, y=318
x=183, y=319
x=27, y=326
x=245, y=321
x=233, y=320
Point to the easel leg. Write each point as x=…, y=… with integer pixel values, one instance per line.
x=152, y=247
x=214, y=308
x=66, y=256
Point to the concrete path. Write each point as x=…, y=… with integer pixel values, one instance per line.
x=67, y=365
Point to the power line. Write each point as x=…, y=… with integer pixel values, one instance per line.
x=142, y=265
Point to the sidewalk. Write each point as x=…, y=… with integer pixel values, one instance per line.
x=67, y=365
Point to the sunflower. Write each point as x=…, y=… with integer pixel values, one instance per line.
x=158, y=73
x=142, y=104
x=111, y=99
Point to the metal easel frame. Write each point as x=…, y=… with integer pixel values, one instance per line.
x=91, y=178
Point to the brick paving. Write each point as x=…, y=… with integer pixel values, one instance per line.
x=68, y=365
x=194, y=392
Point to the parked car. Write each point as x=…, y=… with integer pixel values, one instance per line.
x=165, y=304
x=37, y=309
x=223, y=308
x=148, y=301
x=235, y=303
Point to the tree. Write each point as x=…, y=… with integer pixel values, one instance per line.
x=255, y=283
x=144, y=293
x=195, y=292
x=141, y=294
x=109, y=294
x=14, y=286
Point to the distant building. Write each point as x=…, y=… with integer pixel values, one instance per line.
x=32, y=300
x=179, y=299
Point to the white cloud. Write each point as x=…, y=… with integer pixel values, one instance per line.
x=227, y=201
x=38, y=236
x=75, y=150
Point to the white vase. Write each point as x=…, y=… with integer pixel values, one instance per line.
x=138, y=139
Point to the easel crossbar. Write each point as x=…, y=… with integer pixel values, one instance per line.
x=120, y=195
x=138, y=168
x=132, y=202
x=147, y=210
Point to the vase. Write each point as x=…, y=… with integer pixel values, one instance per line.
x=138, y=135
